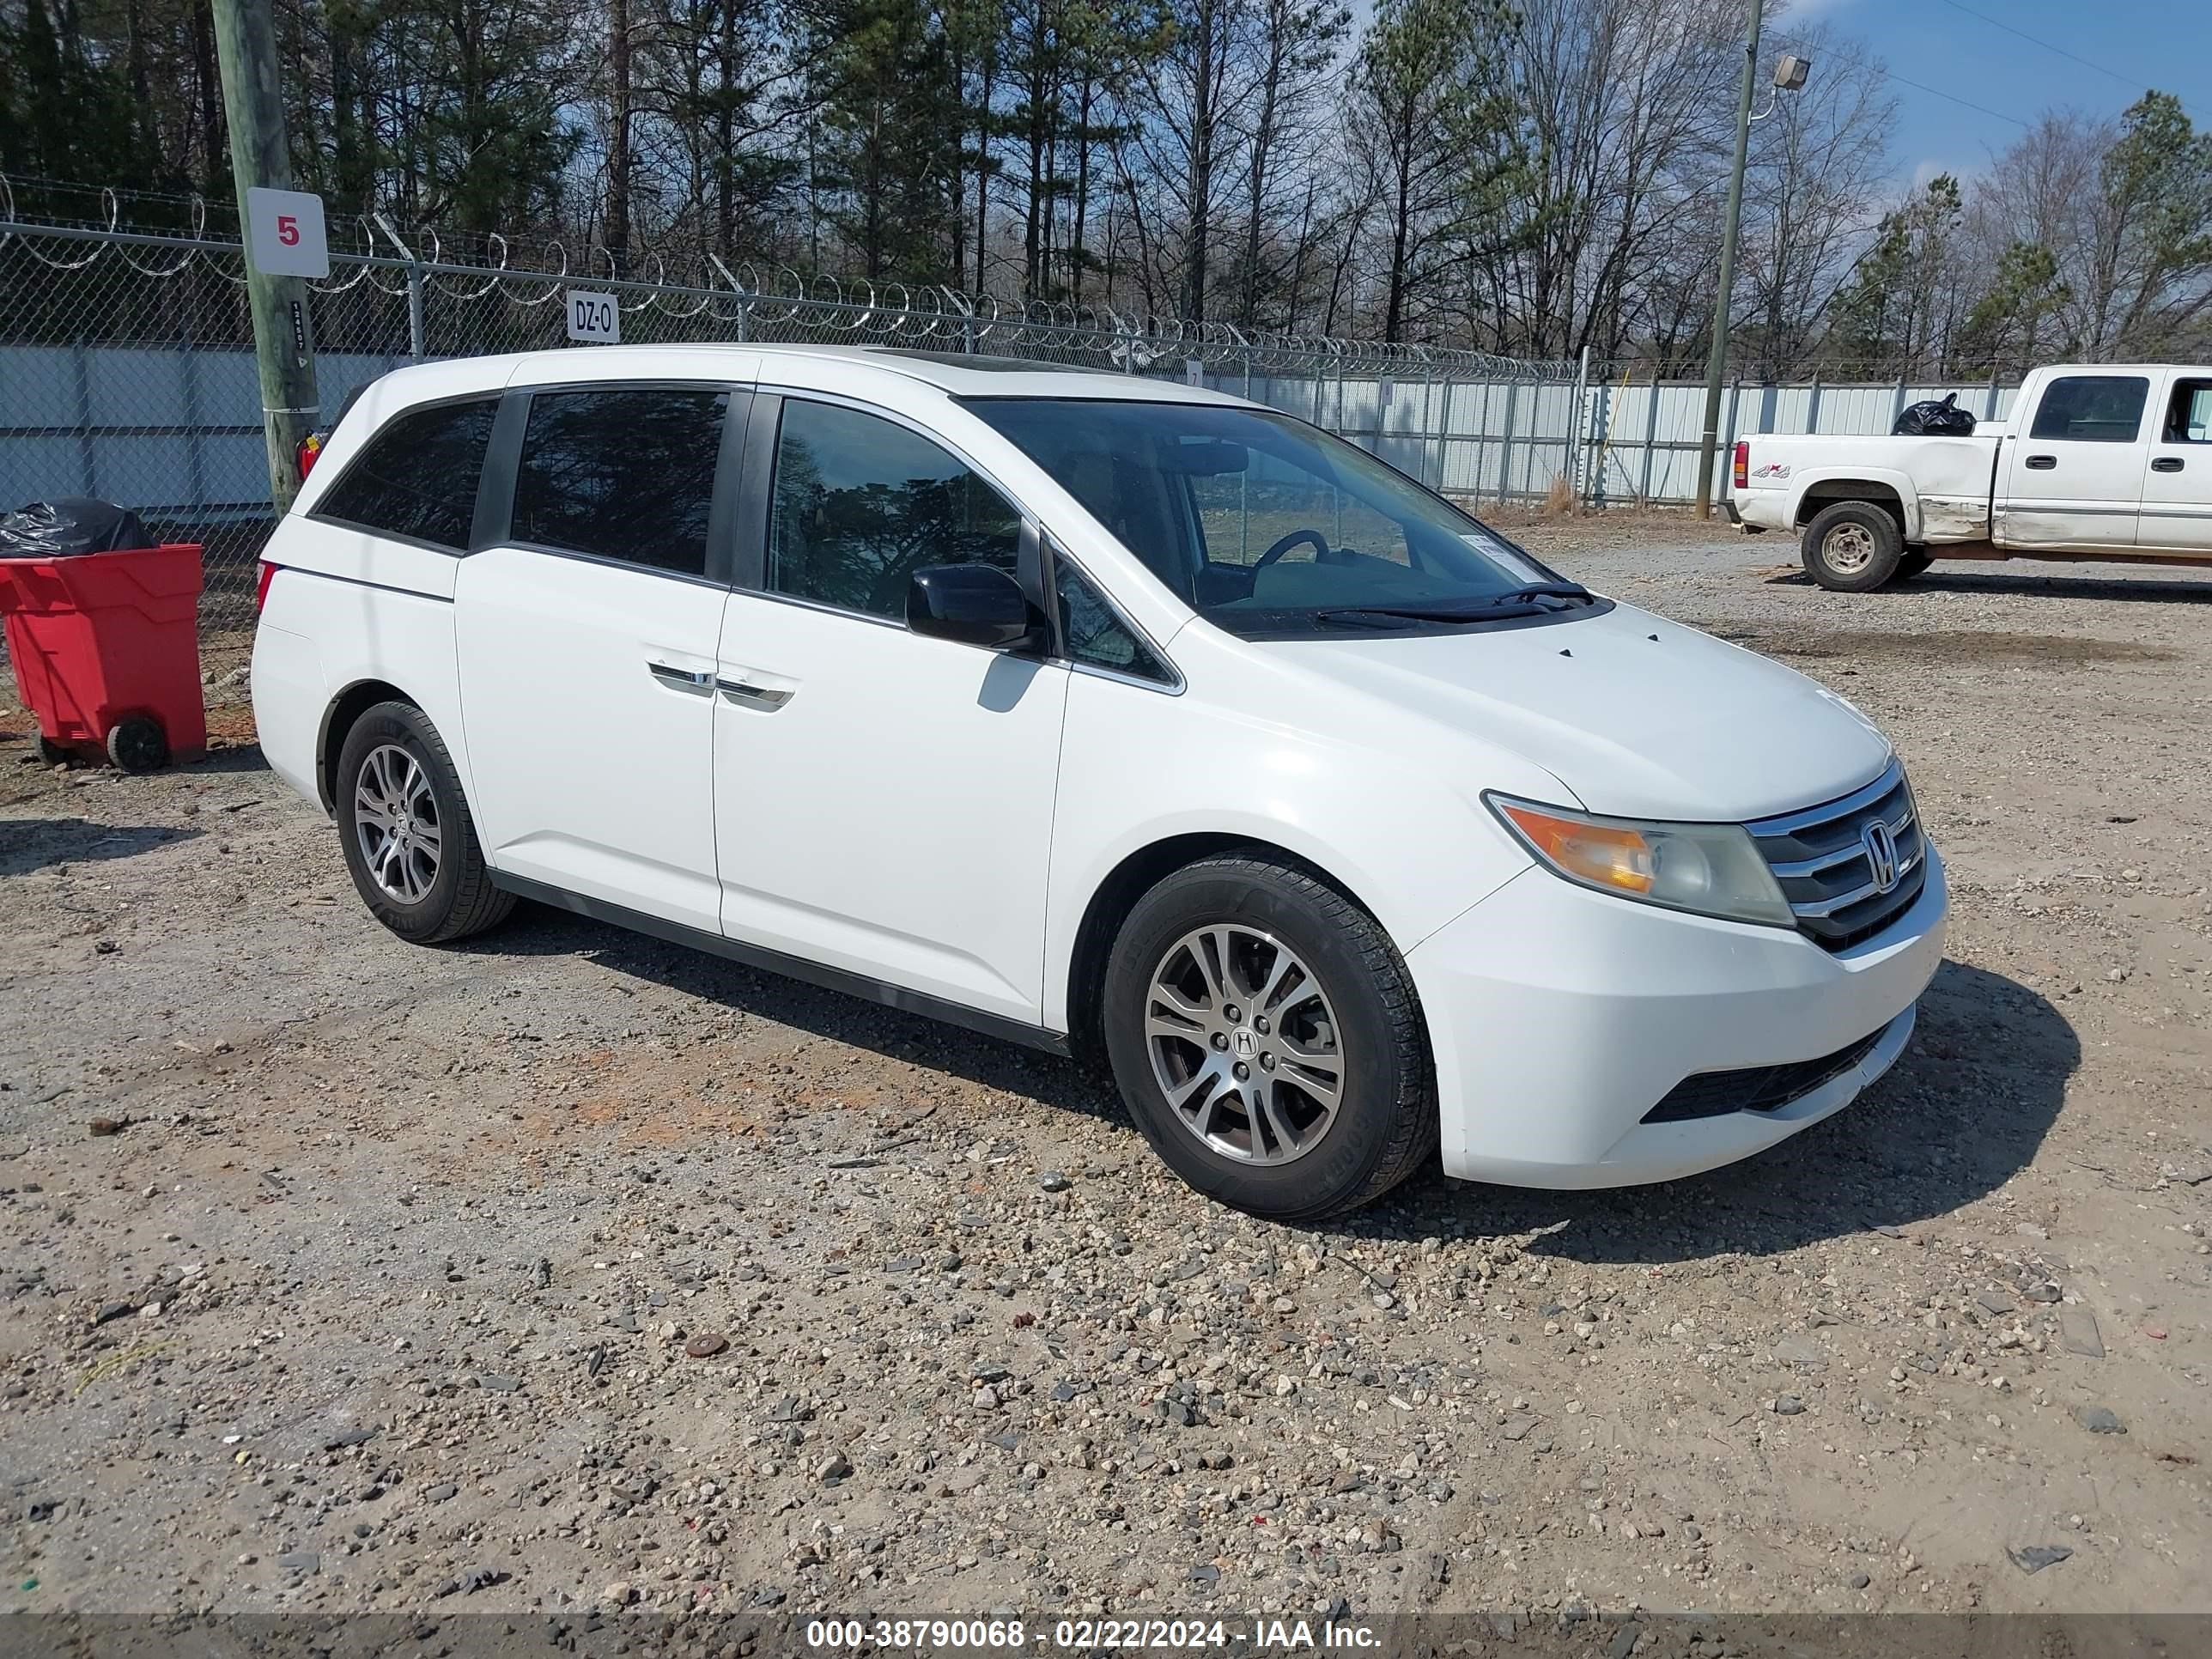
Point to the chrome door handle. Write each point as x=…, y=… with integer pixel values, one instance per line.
x=754, y=696
x=701, y=681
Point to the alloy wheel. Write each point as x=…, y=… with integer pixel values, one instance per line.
x=1244, y=1044
x=395, y=814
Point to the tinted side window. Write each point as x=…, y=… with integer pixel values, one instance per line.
x=861, y=503
x=623, y=472
x=1093, y=634
x=418, y=476
x=2098, y=409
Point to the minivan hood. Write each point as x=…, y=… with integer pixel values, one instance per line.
x=1638, y=717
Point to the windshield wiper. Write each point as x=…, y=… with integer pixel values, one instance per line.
x=1548, y=591
x=1365, y=617
x=1537, y=599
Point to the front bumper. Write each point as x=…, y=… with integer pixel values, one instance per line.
x=1559, y=1017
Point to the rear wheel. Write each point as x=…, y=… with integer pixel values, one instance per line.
x=1852, y=547
x=409, y=842
x=1265, y=1036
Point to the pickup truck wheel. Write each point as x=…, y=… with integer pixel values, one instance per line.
x=1913, y=563
x=1853, y=547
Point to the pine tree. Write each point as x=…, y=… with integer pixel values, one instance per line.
x=891, y=131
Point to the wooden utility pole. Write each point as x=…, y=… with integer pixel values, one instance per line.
x=283, y=346
x=618, y=125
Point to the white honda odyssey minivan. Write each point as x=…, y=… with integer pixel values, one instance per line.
x=1121, y=718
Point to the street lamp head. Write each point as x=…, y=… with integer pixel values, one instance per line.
x=1790, y=73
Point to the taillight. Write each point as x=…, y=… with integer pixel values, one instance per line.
x=267, y=574
x=1741, y=475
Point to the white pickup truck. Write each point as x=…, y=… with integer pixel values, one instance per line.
x=2098, y=462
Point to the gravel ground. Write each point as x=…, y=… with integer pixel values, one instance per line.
x=566, y=1269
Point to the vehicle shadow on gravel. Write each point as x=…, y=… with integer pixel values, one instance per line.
x=2148, y=590
x=28, y=844
x=1963, y=1111
x=239, y=757
x=539, y=930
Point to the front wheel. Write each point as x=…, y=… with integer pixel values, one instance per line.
x=409, y=842
x=1265, y=1036
x=1853, y=547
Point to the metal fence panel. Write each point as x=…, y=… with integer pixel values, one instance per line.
x=1644, y=438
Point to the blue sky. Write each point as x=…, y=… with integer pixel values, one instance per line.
x=2148, y=43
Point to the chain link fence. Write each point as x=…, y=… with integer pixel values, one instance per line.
x=127, y=371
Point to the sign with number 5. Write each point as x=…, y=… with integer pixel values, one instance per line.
x=284, y=232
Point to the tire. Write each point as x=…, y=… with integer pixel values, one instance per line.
x=1853, y=547
x=1913, y=563
x=49, y=752
x=428, y=882
x=136, y=743
x=1313, y=1159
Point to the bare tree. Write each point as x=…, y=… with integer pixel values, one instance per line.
x=1813, y=192
x=1292, y=50
x=1185, y=102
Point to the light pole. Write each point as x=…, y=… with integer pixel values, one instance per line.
x=1789, y=77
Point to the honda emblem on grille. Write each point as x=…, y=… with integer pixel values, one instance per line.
x=1880, y=844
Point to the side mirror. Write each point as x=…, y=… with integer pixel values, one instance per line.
x=974, y=604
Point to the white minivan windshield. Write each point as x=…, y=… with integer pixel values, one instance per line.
x=1269, y=526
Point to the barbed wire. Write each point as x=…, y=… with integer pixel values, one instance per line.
x=744, y=295
x=694, y=281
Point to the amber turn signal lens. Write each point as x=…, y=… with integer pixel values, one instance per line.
x=1605, y=854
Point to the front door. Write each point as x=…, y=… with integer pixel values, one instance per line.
x=882, y=800
x=587, y=641
x=2073, y=476
x=2176, y=486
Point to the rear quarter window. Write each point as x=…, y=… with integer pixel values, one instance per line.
x=418, y=476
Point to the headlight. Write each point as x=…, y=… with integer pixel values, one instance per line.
x=1708, y=869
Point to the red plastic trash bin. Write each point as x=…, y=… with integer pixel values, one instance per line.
x=106, y=651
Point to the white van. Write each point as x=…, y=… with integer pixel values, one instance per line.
x=1119, y=718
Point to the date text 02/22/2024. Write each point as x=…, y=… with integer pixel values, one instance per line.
x=1258, y=1634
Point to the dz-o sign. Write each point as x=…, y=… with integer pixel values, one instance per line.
x=595, y=318
x=284, y=232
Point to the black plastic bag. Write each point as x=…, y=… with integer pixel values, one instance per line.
x=71, y=525
x=1934, y=420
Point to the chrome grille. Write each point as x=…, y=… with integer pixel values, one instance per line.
x=1826, y=860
